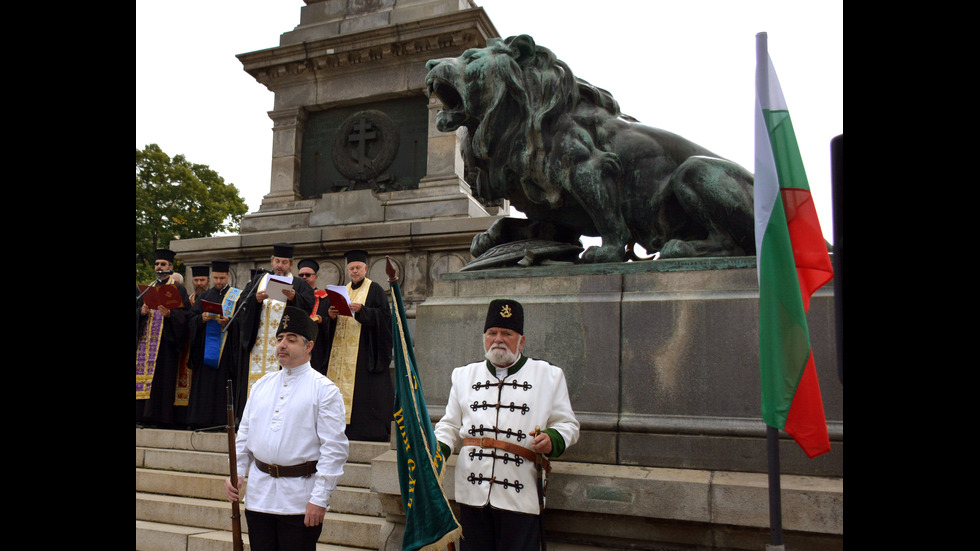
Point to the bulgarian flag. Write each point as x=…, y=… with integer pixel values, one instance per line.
x=793, y=263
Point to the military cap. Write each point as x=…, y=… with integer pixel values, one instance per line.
x=506, y=313
x=297, y=321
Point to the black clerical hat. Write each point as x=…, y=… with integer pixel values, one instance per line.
x=297, y=321
x=220, y=265
x=282, y=250
x=309, y=262
x=165, y=254
x=200, y=271
x=356, y=255
x=506, y=313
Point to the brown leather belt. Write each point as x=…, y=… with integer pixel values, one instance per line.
x=279, y=471
x=512, y=448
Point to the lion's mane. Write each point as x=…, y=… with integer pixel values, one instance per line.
x=534, y=91
x=562, y=152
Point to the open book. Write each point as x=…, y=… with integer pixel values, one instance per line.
x=274, y=285
x=213, y=308
x=339, y=299
x=167, y=295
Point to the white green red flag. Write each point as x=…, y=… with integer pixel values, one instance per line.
x=793, y=262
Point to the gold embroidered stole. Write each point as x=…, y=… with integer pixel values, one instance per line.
x=342, y=366
x=182, y=392
x=146, y=354
x=146, y=351
x=262, y=358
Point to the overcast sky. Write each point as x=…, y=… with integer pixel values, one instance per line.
x=686, y=66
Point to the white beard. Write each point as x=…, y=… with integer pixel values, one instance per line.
x=500, y=355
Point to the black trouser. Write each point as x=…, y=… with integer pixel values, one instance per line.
x=268, y=532
x=489, y=529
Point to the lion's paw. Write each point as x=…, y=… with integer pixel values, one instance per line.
x=676, y=248
x=604, y=253
x=482, y=242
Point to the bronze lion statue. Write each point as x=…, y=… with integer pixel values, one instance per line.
x=560, y=150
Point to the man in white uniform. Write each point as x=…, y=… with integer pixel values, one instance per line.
x=493, y=410
x=292, y=432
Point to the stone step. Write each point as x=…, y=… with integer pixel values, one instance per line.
x=345, y=499
x=155, y=536
x=196, y=516
x=182, y=440
x=360, y=452
x=181, y=504
x=356, y=475
x=357, y=501
x=182, y=460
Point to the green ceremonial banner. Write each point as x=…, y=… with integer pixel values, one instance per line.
x=429, y=522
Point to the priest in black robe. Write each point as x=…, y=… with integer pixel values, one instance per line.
x=360, y=355
x=208, y=402
x=156, y=408
x=309, y=272
x=200, y=275
x=253, y=303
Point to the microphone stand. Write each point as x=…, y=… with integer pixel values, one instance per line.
x=253, y=285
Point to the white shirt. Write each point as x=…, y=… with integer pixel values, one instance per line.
x=292, y=416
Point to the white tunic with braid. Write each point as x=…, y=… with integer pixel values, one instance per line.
x=482, y=406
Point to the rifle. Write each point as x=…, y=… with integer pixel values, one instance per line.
x=540, y=485
x=236, y=517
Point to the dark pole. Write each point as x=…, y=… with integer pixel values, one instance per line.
x=837, y=184
x=236, y=517
x=540, y=486
x=775, y=503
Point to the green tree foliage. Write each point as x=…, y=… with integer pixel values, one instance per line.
x=177, y=199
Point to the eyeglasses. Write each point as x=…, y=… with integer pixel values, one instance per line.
x=304, y=276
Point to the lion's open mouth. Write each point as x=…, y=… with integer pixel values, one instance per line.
x=453, y=112
x=451, y=100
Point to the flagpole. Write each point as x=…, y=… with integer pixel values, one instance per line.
x=837, y=193
x=772, y=433
x=775, y=501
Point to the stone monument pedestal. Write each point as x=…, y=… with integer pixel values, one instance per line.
x=661, y=357
x=662, y=363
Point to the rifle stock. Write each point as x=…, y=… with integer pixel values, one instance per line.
x=540, y=486
x=236, y=517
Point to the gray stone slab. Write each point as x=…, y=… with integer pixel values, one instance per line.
x=661, y=358
x=352, y=207
x=645, y=507
x=153, y=536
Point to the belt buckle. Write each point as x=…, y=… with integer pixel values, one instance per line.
x=486, y=442
x=274, y=471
